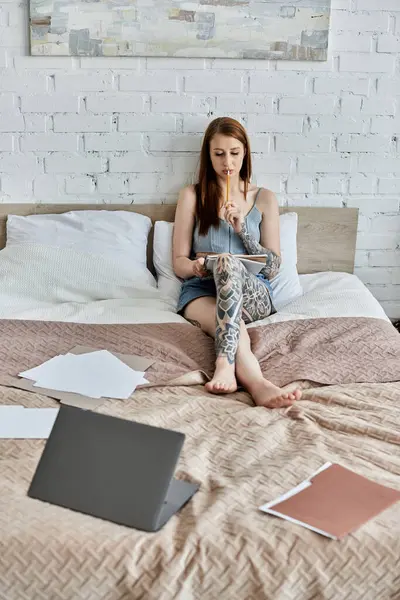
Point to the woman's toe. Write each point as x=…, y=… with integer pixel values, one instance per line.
x=286, y=402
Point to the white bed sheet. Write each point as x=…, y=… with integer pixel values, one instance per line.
x=42, y=283
x=330, y=294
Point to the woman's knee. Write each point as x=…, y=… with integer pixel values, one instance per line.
x=201, y=312
x=227, y=259
x=228, y=262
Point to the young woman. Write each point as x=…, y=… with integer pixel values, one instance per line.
x=222, y=296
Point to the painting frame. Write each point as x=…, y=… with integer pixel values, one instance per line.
x=241, y=29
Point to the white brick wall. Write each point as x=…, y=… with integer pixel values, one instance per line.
x=129, y=129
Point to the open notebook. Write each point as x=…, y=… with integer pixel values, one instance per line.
x=334, y=501
x=253, y=262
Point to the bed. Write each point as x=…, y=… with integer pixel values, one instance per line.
x=335, y=342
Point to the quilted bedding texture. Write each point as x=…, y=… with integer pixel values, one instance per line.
x=220, y=545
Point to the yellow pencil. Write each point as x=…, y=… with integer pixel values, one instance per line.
x=227, y=189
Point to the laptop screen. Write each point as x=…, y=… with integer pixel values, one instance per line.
x=107, y=467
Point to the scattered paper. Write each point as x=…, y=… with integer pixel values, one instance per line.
x=302, y=486
x=67, y=398
x=18, y=422
x=35, y=373
x=68, y=375
x=94, y=374
x=8, y=409
x=138, y=363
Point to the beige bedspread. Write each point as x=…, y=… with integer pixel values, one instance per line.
x=220, y=546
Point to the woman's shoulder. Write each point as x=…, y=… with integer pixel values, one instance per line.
x=266, y=200
x=187, y=195
x=186, y=205
x=189, y=190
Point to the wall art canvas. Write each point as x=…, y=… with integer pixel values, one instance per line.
x=260, y=29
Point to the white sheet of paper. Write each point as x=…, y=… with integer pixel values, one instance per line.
x=268, y=507
x=95, y=374
x=9, y=419
x=306, y=525
x=66, y=375
x=6, y=409
x=252, y=266
x=26, y=423
x=35, y=372
x=292, y=492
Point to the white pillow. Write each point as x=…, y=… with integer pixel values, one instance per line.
x=117, y=237
x=285, y=285
x=168, y=283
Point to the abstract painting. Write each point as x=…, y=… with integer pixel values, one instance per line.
x=260, y=29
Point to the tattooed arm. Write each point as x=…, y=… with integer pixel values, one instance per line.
x=273, y=260
x=269, y=233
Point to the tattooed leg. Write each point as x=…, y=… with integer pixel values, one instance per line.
x=242, y=298
x=231, y=282
x=228, y=278
x=229, y=303
x=249, y=373
x=239, y=294
x=257, y=305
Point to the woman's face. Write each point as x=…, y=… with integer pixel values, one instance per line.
x=227, y=155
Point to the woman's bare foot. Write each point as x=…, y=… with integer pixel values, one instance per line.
x=224, y=380
x=267, y=394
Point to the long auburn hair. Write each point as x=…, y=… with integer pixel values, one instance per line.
x=208, y=190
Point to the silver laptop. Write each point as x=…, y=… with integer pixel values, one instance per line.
x=112, y=468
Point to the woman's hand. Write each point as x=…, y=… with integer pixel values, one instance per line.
x=234, y=216
x=199, y=269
